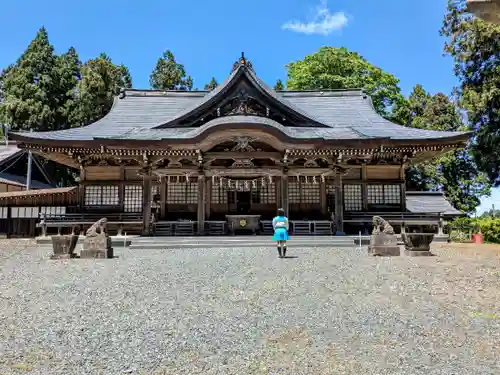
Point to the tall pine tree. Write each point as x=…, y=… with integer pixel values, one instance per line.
x=474, y=46
x=68, y=69
x=169, y=74
x=212, y=84
x=29, y=89
x=278, y=86
x=101, y=80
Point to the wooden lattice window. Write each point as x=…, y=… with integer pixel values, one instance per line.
x=310, y=192
x=265, y=194
x=219, y=194
x=384, y=194
x=353, y=198
x=101, y=195
x=182, y=193
x=132, y=200
x=293, y=192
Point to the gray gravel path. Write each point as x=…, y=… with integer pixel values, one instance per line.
x=243, y=311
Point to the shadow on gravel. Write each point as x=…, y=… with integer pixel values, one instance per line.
x=290, y=257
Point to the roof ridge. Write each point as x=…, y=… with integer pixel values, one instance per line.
x=160, y=93
x=325, y=93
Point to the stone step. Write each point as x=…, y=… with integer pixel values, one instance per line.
x=143, y=243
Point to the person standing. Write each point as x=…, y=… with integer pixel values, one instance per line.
x=280, y=226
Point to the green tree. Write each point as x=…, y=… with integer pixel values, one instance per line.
x=278, y=86
x=212, y=84
x=3, y=75
x=339, y=68
x=455, y=173
x=101, y=80
x=29, y=88
x=169, y=74
x=474, y=46
x=68, y=71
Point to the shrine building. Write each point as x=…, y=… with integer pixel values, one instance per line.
x=205, y=162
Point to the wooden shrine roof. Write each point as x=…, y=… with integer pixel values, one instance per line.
x=183, y=115
x=26, y=194
x=429, y=201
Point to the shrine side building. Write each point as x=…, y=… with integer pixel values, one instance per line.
x=244, y=149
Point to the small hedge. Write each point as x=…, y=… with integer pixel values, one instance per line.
x=461, y=228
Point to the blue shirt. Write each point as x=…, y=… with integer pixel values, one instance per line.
x=280, y=222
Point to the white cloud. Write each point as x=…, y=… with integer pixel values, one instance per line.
x=323, y=22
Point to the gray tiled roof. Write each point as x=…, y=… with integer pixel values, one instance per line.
x=429, y=201
x=342, y=114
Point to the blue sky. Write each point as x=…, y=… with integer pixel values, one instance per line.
x=401, y=37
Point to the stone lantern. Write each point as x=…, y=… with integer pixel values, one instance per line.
x=488, y=10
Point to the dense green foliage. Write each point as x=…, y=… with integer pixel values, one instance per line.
x=338, y=68
x=212, y=84
x=278, y=86
x=169, y=74
x=460, y=229
x=44, y=91
x=475, y=48
x=455, y=172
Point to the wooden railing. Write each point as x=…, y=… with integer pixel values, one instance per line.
x=82, y=221
x=302, y=227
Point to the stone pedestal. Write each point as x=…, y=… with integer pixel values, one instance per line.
x=64, y=246
x=98, y=246
x=383, y=244
x=417, y=244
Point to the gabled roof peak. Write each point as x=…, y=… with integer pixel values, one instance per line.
x=242, y=62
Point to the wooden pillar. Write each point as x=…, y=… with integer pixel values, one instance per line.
x=322, y=198
x=201, y=205
x=339, y=205
x=163, y=196
x=364, y=187
x=121, y=189
x=403, y=188
x=9, y=221
x=146, y=203
x=284, y=193
x=81, y=190
x=208, y=197
x=277, y=192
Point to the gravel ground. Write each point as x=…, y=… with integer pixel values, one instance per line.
x=243, y=311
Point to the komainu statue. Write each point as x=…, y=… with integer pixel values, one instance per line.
x=381, y=226
x=383, y=240
x=97, y=243
x=98, y=225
